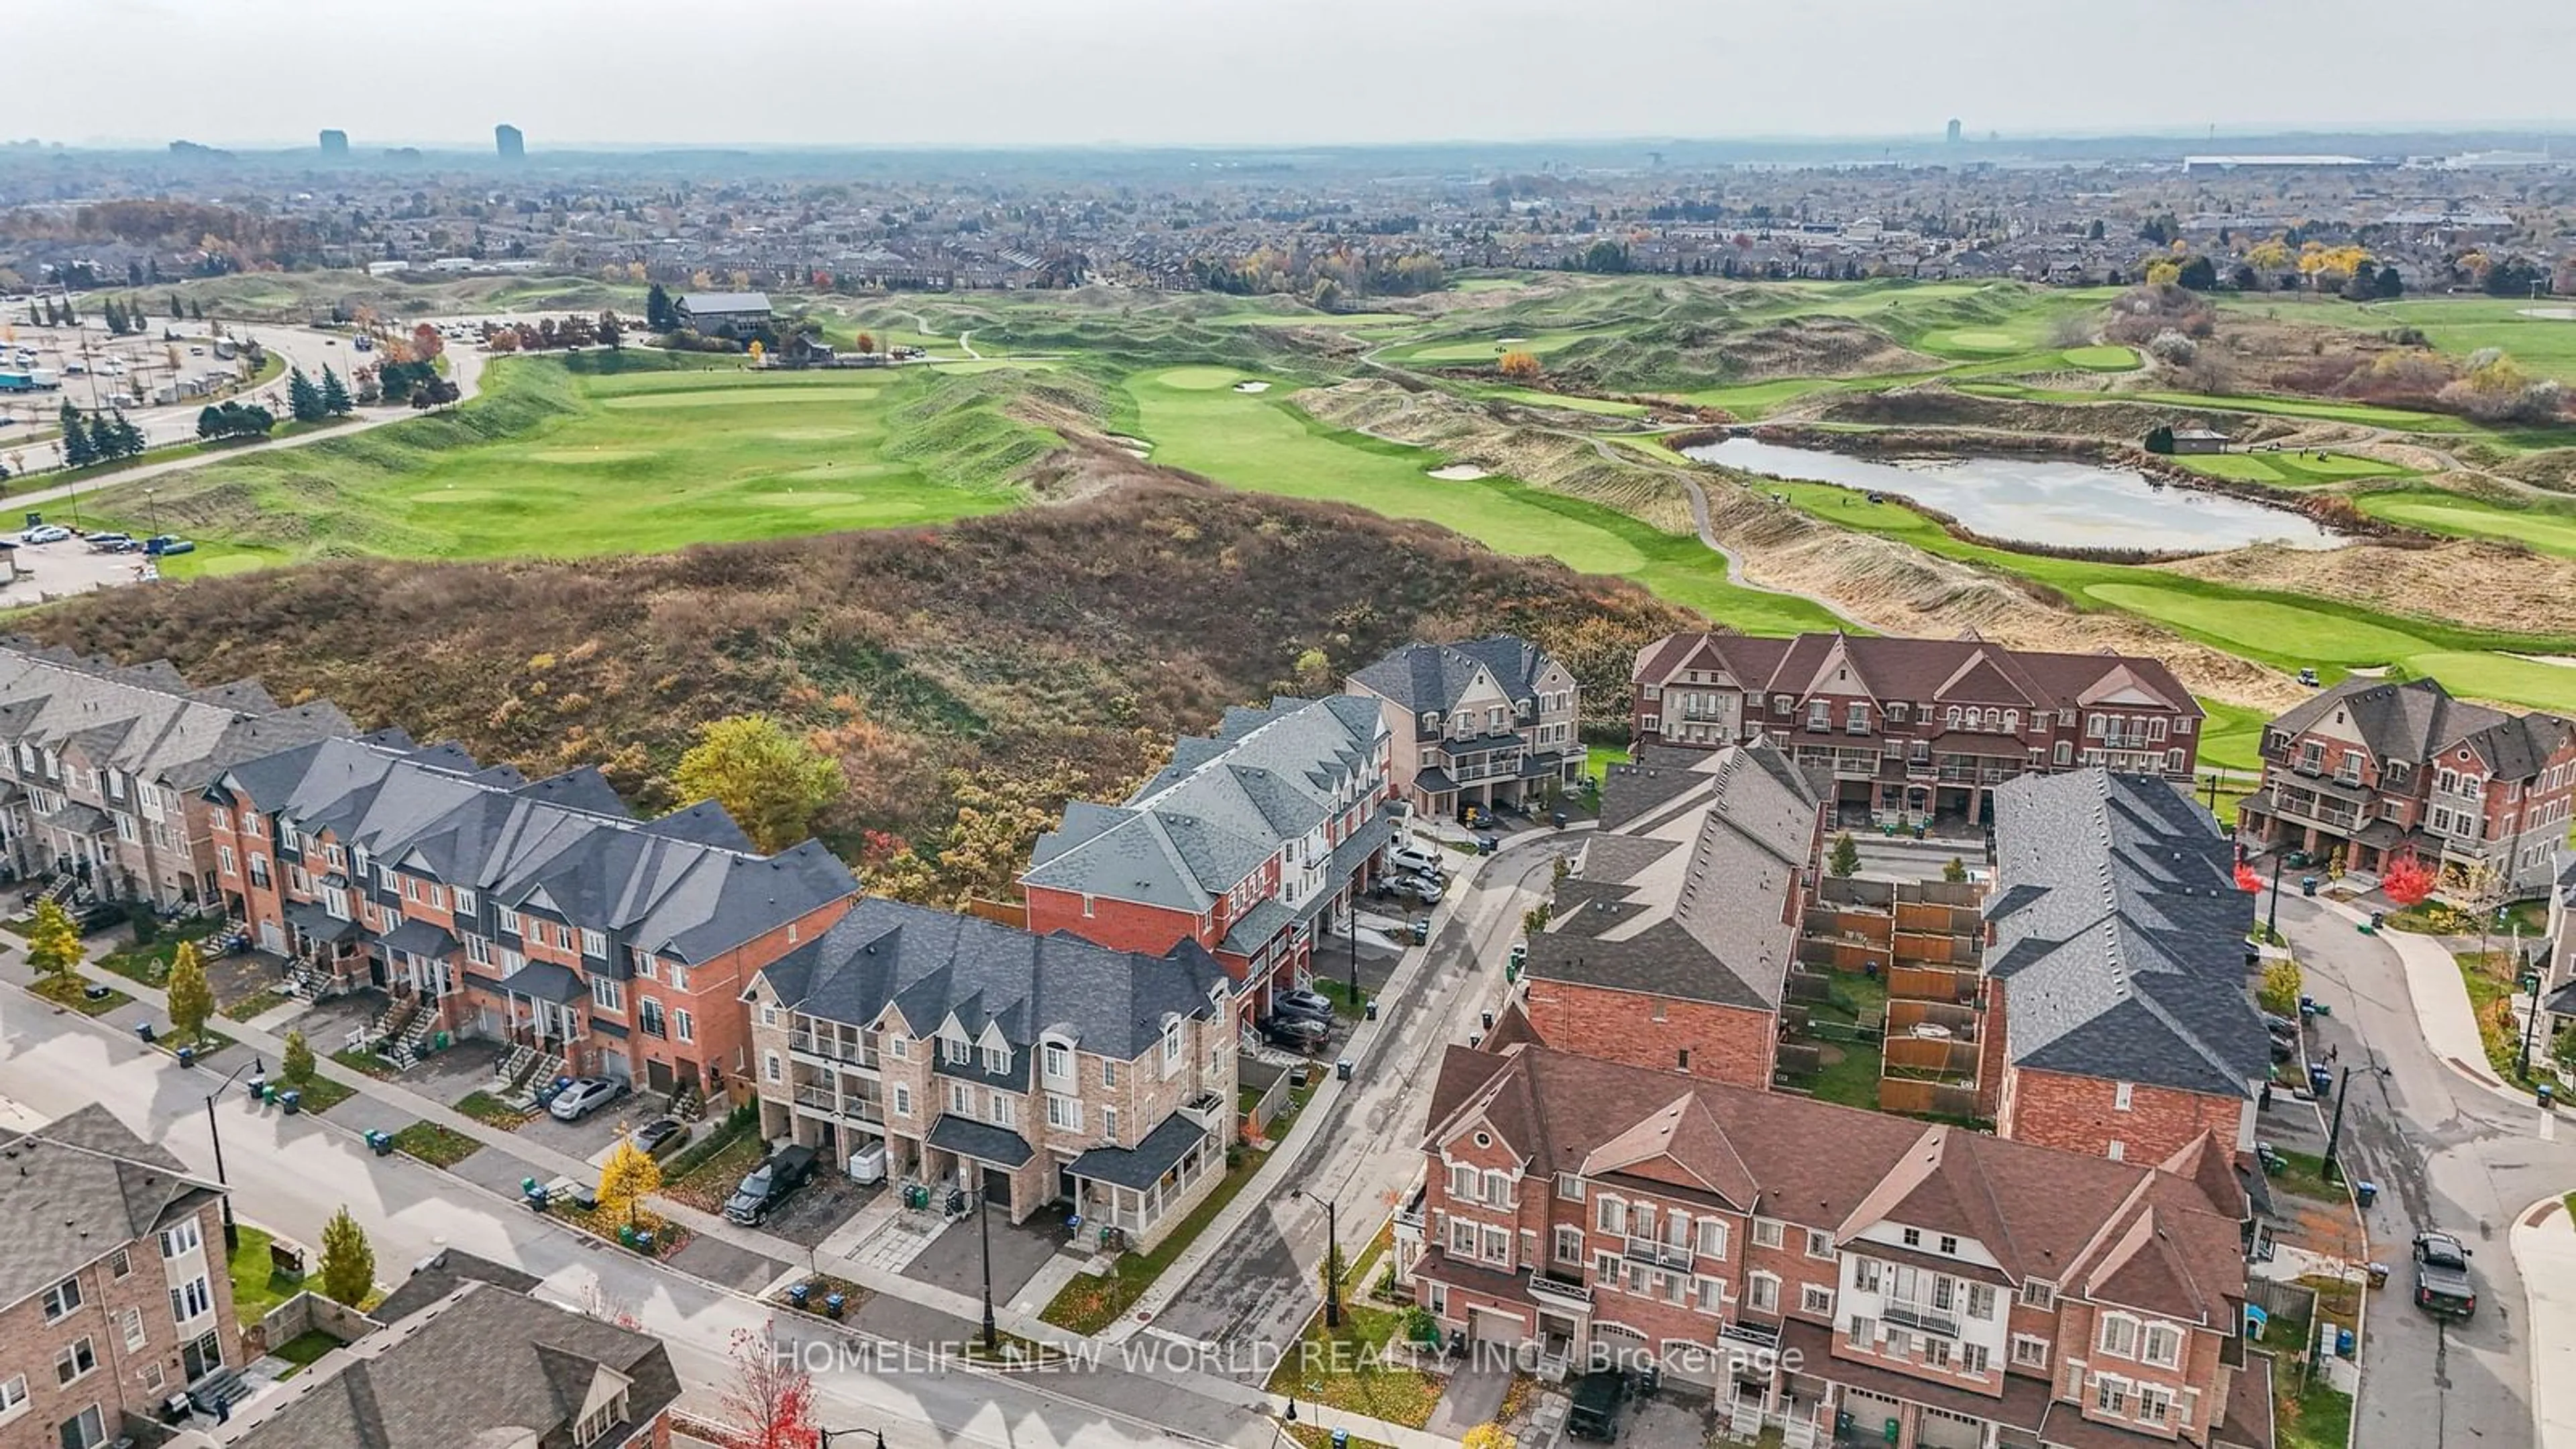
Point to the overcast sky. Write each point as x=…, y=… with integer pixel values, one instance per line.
x=983, y=72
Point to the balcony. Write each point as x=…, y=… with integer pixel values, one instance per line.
x=1206, y=1109
x=1565, y=1292
x=855, y=1108
x=831, y=1049
x=1660, y=1255
x=1756, y=1332
x=1921, y=1317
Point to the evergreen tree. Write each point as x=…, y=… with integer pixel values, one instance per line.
x=210, y=422
x=303, y=399
x=134, y=314
x=657, y=310
x=177, y=308
x=1845, y=861
x=78, y=451
x=348, y=1264
x=115, y=318
x=335, y=396
x=197, y=311
x=130, y=441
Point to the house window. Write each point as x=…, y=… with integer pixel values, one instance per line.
x=1109, y=1124
x=1462, y=1237
x=13, y=1394
x=684, y=1027
x=85, y=1430
x=2119, y=1336
x=1816, y=1299
x=224, y=859
x=679, y=975
x=2120, y=1097
x=955, y=1050
x=1171, y=1046
x=1569, y=1244
x=464, y=901
x=1899, y=712
x=76, y=1359
x=119, y=1263
x=508, y=920
x=769, y=1066
x=2117, y=1150
x=1949, y=1246
x=902, y=1100
x=1059, y=1061
x=2029, y=1351
x=1712, y=1238
x=1064, y=1114
x=1498, y=1188
x=1974, y=1359
x=961, y=1099
x=1820, y=1244
x=594, y=944
x=1498, y=1245
x=2065, y=752
x=607, y=993
x=1981, y=1300
x=477, y=950
x=2155, y=1405
x=1006, y=1110
x=1820, y=714
x=997, y=1060
x=1762, y=1292
x=62, y=1299
x=1767, y=1233
x=1087, y=905
x=1913, y=1237
x=1863, y=1333
x=2161, y=1345
x=2039, y=1293
x=133, y=1318
x=648, y=1015
x=2111, y=1395
x=899, y=1048
x=182, y=1239
x=1569, y=1186
x=1610, y=1215
x=1936, y=1352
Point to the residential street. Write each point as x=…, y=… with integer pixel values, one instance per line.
x=1262, y=1290
x=2446, y=1152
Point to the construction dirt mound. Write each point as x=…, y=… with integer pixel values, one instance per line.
x=1465, y=432
x=1935, y=405
x=2481, y=584
x=1818, y=347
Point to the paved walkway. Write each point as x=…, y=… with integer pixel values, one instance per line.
x=2544, y=1245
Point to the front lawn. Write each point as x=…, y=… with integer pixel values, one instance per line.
x=365, y=1063
x=437, y=1144
x=1364, y=1367
x=258, y=1288
x=320, y=1094
x=257, y=1004
x=72, y=992
x=1091, y=1303
x=2303, y=1174
x=704, y=1175
x=2318, y=1418
x=2491, y=987
x=491, y=1111
x=147, y=964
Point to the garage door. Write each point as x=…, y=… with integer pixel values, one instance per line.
x=1936, y=1429
x=1869, y=1414
x=1485, y=1325
x=612, y=1065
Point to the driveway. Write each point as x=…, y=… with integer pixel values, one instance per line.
x=818, y=1209
x=955, y=1259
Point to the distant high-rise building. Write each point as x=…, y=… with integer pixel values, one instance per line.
x=1954, y=131
x=335, y=145
x=507, y=140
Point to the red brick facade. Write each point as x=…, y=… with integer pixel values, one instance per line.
x=2124, y=1121
x=1722, y=1043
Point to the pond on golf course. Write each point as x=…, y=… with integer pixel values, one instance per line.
x=2054, y=502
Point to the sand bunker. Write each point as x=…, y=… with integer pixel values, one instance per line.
x=2563, y=661
x=1460, y=473
x=1132, y=447
x=1255, y=386
x=2551, y=314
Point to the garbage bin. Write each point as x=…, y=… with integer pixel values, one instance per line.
x=1421, y=932
x=379, y=1142
x=2365, y=1193
x=1341, y=1439
x=2548, y=1094
x=833, y=1303
x=143, y=1032
x=187, y=1056
x=2307, y=885
x=1489, y=1021
x=626, y=1235
x=258, y=1088
x=2320, y=1078
x=2378, y=1275
x=2343, y=1342
x=1342, y=1069
x=644, y=1241
x=290, y=1102
x=1371, y=1010
x=796, y=1295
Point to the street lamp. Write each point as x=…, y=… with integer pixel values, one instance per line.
x=2272, y=921
x=984, y=1224
x=1332, y=1262
x=214, y=1130
x=153, y=503
x=1355, y=954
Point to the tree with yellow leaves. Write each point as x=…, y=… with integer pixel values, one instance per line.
x=629, y=1176
x=2271, y=255
x=2163, y=274
x=1520, y=365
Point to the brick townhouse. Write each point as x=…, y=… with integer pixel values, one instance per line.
x=2375, y=769
x=535, y=913
x=1916, y=731
x=452, y=1360
x=1038, y=1068
x=1917, y=1284
x=113, y=1290
x=1486, y=722
x=1671, y=941
x=2120, y=1018
x=101, y=766
x=1252, y=842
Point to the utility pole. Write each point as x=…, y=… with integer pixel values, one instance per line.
x=2531, y=982
x=1355, y=955
x=984, y=1223
x=1332, y=1258
x=2334, y=1134
x=215, y=1130
x=2272, y=922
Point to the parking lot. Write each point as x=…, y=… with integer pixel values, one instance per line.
x=59, y=570
x=95, y=371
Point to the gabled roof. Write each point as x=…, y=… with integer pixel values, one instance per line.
x=700, y=303
x=2128, y=1231
x=144, y=719
x=1222, y=808
x=674, y=887
x=1687, y=894
x=2119, y=935
x=77, y=1188
x=480, y=1366
x=2417, y=720
x=1965, y=671
x=1425, y=677
x=932, y=965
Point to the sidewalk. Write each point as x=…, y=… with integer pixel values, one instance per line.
x=2544, y=1246
x=2441, y=1001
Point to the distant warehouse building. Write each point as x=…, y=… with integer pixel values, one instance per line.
x=713, y=311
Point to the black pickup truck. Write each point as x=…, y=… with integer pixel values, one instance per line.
x=769, y=1184
x=2442, y=1283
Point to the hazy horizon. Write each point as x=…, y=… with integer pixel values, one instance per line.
x=647, y=74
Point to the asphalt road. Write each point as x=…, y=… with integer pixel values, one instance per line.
x=1262, y=1290
x=2446, y=1152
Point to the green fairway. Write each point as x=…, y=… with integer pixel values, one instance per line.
x=1264, y=443
x=2253, y=626
x=1606, y=407
x=2457, y=326
x=2289, y=470
x=2551, y=529
x=1311, y=319
x=2101, y=359
x=2232, y=735
x=1459, y=352
x=637, y=454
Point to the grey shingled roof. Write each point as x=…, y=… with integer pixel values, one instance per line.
x=1687, y=896
x=1423, y=677
x=77, y=1188
x=144, y=719
x=482, y=1366
x=932, y=964
x=2119, y=935
x=1222, y=808
x=1144, y=1164
x=651, y=885
x=699, y=304
x=2417, y=719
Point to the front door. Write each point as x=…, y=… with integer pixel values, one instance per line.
x=657, y=1075
x=997, y=1187
x=271, y=939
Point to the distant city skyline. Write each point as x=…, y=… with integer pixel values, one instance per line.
x=1328, y=72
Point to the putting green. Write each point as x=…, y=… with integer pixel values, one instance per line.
x=2502, y=676
x=2100, y=359
x=743, y=397
x=1198, y=379
x=1975, y=339
x=2263, y=626
x=810, y=435
x=2550, y=532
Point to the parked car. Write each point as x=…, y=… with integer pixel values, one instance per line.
x=1301, y=1033
x=662, y=1136
x=1302, y=1002
x=1415, y=858
x=1411, y=888
x=765, y=1187
x=110, y=542
x=45, y=533
x=2442, y=1283
x=93, y=919
x=1595, y=1414
x=585, y=1096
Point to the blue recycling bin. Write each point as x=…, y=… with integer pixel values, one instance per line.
x=2320, y=1078
x=2365, y=1193
x=833, y=1303
x=797, y=1294
x=143, y=1032
x=380, y=1142
x=290, y=1102
x=2343, y=1342
x=187, y=1056
x=1341, y=1439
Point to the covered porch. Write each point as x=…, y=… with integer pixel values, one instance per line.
x=80, y=841
x=325, y=955
x=980, y=1157
x=1143, y=1190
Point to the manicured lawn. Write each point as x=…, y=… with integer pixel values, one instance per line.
x=599, y=454
x=258, y=1003
x=436, y=1143
x=257, y=1287
x=2101, y=359
x=1597, y=759
x=2320, y=1418
x=1089, y=1304
x=149, y=965
x=304, y=1350
x=492, y=1111
x=705, y=1174
x=2303, y=1174
x=1263, y=443
x=1353, y=1369
x=2491, y=988
x=2289, y=470
x=71, y=992
x=321, y=1094
x=2551, y=529
x=2232, y=735
x=366, y=1062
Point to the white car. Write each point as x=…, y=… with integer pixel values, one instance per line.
x=1415, y=858
x=584, y=1097
x=45, y=533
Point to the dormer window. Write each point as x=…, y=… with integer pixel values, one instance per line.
x=956, y=1051
x=997, y=1059
x=1431, y=720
